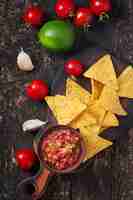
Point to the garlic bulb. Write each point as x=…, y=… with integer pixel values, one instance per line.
x=24, y=61
x=33, y=124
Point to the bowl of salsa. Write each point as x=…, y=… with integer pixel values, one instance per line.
x=62, y=148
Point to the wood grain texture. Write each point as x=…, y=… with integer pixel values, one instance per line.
x=109, y=175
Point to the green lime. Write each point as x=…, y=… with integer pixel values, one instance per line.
x=57, y=35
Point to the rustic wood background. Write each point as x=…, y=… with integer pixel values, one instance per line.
x=109, y=176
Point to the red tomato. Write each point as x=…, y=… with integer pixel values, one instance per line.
x=33, y=15
x=64, y=8
x=25, y=158
x=83, y=17
x=74, y=67
x=37, y=90
x=99, y=7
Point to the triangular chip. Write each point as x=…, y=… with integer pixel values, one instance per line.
x=103, y=129
x=103, y=71
x=93, y=143
x=75, y=90
x=96, y=89
x=97, y=111
x=65, y=109
x=83, y=120
x=125, y=75
x=110, y=120
x=109, y=100
x=125, y=82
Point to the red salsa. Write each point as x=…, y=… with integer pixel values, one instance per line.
x=61, y=149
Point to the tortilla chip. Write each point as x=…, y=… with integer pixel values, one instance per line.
x=103, y=71
x=65, y=109
x=125, y=82
x=110, y=120
x=97, y=111
x=125, y=75
x=109, y=100
x=73, y=89
x=93, y=143
x=103, y=129
x=83, y=120
x=96, y=89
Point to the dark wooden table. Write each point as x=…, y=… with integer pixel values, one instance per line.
x=108, y=176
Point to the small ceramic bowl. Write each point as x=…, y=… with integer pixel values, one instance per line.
x=38, y=183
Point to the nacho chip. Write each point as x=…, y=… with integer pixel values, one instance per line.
x=94, y=144
x=97, y=111
x=96, y=89
x=109, y=100
x=103, y=129
x=125, y=82
x=65, y=109
x=103, y=71
x=83, y=120
x=125, y=75
x=73, y=89
x=110, y=120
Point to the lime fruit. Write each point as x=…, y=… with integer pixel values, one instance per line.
x=57, y=35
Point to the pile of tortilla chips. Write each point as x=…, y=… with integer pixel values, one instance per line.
x=94, y=112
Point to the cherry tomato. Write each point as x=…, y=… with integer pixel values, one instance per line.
x=33, y=15
x=74, y=67
x=25, y=158
x=83, y=17
x=100, y=7
x=37, y=90
x=64, y=8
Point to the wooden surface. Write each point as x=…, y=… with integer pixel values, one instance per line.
x=109, y=176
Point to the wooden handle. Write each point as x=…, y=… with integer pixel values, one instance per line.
x=41, y=181
x=34, y=187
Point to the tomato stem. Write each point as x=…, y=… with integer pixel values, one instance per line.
x=73, y=78
x=72, y=14
x=87, y=27
x=104, y=17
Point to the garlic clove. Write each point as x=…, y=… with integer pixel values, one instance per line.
x=24, y=61
x=33, y=124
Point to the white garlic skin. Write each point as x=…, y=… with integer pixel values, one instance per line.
x=24, y=61
x=33, y=124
